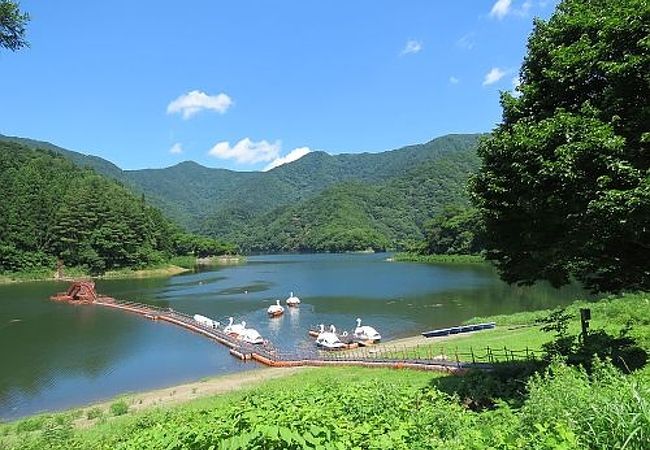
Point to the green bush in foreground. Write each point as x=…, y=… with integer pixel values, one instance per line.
x=565, y=408
x=119, y=408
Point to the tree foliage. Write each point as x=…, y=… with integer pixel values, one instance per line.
x=12, y=25
x=564, y=187
x=52, y=210
x=457, y=230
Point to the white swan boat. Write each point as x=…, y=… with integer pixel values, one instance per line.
x=275, y=310
x=293, y=301
x=251, y=336
x=366, y=333
x=328, y=340
x=234, y=330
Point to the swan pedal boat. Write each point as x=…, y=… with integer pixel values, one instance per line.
x=292, y=301
x=366, y=335
x=275, y=310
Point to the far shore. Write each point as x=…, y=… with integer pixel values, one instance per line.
x=157, y=272
x=163, y=271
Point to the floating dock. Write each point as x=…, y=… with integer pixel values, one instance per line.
x=83, y=293
x=459, y=329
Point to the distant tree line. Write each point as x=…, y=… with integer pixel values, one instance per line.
x=52, y=210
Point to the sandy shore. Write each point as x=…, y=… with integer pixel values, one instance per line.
x=189, y=391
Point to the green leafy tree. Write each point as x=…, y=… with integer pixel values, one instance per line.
x=564, y=187
x=12, y=25
x=458, y=230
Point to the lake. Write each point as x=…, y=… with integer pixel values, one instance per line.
x=55, y=356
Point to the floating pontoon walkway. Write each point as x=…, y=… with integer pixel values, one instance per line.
x=84, y=294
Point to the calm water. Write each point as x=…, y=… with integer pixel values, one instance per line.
x=55, y=356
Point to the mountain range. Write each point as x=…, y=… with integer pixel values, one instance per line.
x=320, y=202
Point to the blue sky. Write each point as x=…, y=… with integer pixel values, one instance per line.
x=243, y=84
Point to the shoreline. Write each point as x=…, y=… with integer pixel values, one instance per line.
x=156, y=272
x=179, y=393
x=167, y=270
x=438, y=259
x=210, y=386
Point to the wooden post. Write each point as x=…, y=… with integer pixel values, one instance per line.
x=471, y=349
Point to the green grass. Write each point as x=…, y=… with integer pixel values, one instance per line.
x=186, y=262
x=345, y=408
x=163, y=268
x=518, y=332
x=39, y=274
x=439, y=259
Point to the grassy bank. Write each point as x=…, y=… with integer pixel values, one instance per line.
x=438, y=259
x=561, y=407
x=161, y=270
x=40, y=274
x=519, y=332
x=174, y=266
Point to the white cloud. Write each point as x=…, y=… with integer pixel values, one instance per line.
x=494, y=75
x=454, y=80
x=500, y=9
x=412, y=46
x=293, y=155
x=504, y=8
x=525, y=8
x=194, y=101
x=176, y=149
x=466, y=41
x=247, y=151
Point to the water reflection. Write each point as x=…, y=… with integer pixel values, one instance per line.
x=56, y=356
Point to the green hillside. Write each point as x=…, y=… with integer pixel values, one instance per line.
x=357, y=216
x=96, y=163
x=300, y=206
x=54, y=210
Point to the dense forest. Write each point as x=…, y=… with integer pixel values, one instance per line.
x=53, y=210
x=320, y=202
x=456, y=230
x=359, y=216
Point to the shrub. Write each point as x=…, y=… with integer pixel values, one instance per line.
x=119, y=408
x=94, y=413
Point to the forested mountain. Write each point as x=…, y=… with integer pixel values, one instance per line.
x=298, y=206
x=100, y=165
x=356, y=215
x=52, y=209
